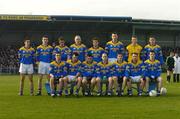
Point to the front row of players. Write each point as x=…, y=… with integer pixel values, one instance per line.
x=115, y=76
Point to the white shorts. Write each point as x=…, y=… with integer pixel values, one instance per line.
x=135, y=79
x=112, y=60
x=26, y=68
x=43, y=68
x=71, y=78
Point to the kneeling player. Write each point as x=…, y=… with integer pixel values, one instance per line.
x=88, y=69
x=135, y=73
x=104, y=75
x=58, y=72
x=74, y=67
x=153, y=72
x=119, y=74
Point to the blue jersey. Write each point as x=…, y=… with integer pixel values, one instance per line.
x=156, y=49
x=74, y=68
x=97, y=53
x=64, y=51
x=135, y=69
x=119, y=68
x=81, y=50
x=152, y=69
x=88, y=70
x=113, y=49
x=58, y=69
x=104, y=70
x=44, y=53
x=26, y=56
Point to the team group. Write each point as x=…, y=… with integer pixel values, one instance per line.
x=68, y=69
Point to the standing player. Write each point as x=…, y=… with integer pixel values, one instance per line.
x=26, y=58
x=62, y=49
x=153, y=72
x=44, y=57
x=79, y=48
x=134, y=47
x=113, y=47
x=88, y=71
x=95, y=50
x=176, y=72
x=156, y=48
x=58, y=72
x=119, y=74
x=103, y=73
x=170, y=66
x=135, y=74
x=74, y=73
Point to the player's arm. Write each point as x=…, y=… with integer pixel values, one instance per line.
x=159, y=70
x=54, y=53
x=19, y=54
x=51, y=53
x=51, y=71
x=161, y=59
x=97, y=71
x=68, y=54
x=127, y=71
x=107, y=48
x=34, y=56
x=38, y=52
x=144, y=69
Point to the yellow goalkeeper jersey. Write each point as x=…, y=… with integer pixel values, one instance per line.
x=133, y=49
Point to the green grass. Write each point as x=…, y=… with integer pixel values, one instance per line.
x=13, y=106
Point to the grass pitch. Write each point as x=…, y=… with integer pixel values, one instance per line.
x=13, y=106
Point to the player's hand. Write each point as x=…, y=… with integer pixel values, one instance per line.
x=37, y=63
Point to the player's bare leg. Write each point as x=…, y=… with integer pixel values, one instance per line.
x=22, y=78
x=52, y=86
x=78, y=85
x=98, y=84
x=110, y=80
x=65, y=81
x=40, y=84
x=84, y=83
x=129, y=86
x=116, y=86
x=141, y=85
x=93, y=83
x=30, y=76
x=159, y=80
x=124, y=84
x=60, y=87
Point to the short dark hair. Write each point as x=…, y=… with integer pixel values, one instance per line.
x=119, y=53
x=95, y=38
x=26, y=39
x=134, y=36
x=61, y=38
x=75, y=54
x=114, y=33
x=89, y=55
x=152, y=51
x=134, y=53
x=152, y=37
x=46, y=36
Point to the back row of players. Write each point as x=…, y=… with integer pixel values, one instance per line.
x=93, y=67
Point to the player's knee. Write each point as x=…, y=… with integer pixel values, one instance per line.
x=159, y=79
x=61, y=80
x=98, y=80
x=110, y=80
x=84, y=81
x=79, y=79
x=115, y=78
x=93, y=81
